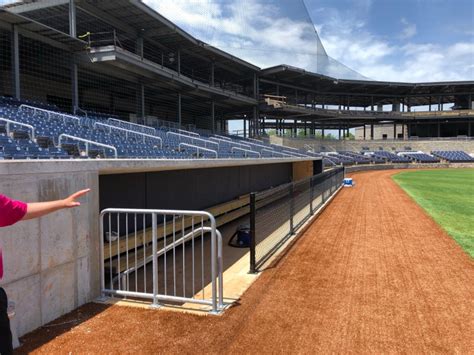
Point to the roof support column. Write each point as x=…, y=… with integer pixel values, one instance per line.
x=179, y=62
x=15, y=62
x=395, y=131
x=440, y=105
x=141, y=101
x=403, y=130
x=72, y=19
x=180, y=121
x=365, y=133
x=245, y=126
x=322, y=132
x=213, y=69
x=139, y=46
x=371, y=131
x=213, y=116
x=429, y=104
x=295, y=129
x=372, y=103
x=278, y=90
x=74, y=87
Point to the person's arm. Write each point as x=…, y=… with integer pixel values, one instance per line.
x=39, y=209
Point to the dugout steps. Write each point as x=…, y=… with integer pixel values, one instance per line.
x=224, y=214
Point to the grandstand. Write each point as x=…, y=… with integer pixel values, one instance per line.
x=112, y=95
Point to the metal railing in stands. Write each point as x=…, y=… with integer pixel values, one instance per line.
x=131, y=124
x=128, y=131
x=186, y=266
x=87, y=142
x=198, y=148
x=50, y=113
x=254, y=140
x=193, y=139
x=222, y=137
x=193, y=134
x=273, y=153
x=260, y=145
x=246, y=151
x=246, y=146
x=10, y=122
x=301, y=155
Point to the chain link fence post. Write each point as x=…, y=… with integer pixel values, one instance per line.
x=292, y=209
x=252, y=233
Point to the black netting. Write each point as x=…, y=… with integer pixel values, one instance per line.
x=279, y=212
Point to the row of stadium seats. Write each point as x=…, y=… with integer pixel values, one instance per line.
x=34, y=131
x=455, y=156
x=39, y=131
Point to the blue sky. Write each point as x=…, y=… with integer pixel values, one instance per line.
x=397, y=40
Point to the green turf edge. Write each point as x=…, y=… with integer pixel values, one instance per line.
x=448, y=197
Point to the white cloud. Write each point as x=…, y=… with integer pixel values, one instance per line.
x=263, y=33
x=409, y=29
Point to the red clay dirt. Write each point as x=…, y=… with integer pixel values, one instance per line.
x=373, y=274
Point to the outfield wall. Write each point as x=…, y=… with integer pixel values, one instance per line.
x=52, y=263
x=356, y=146
x=355, y=168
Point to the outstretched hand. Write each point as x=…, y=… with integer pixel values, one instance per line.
x=70, y=202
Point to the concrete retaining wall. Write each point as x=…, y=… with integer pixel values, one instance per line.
x=51, y=263
x=352, y=169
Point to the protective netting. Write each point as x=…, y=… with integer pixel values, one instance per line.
x=263, y=32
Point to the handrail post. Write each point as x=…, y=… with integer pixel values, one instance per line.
x=213, y=264
x=253, y=267
x=220, y=263
x=155, y=259
x=102, y=261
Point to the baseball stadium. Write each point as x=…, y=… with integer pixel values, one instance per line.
x=230, y=207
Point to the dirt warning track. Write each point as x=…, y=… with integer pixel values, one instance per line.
x=374, y=274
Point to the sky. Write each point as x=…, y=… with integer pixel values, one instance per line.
x=391, y=40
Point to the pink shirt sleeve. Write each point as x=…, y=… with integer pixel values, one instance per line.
x=11, y=211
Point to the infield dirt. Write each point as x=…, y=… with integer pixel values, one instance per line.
x=373, y=274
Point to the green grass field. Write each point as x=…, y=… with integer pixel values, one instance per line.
x=448, y=197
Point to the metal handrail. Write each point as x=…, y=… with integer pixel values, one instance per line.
x=198, y=148
x=272, y=152
x=127, y=131
x=87, y=143
x=192, y=138
x=9, y=122
x=231, y=142
x=182, y=131
x=246, y=150
x=132, y=124
x=217, y=282
x=260, y=145
x=50, y=112
x=222, y=137
x=296, y=154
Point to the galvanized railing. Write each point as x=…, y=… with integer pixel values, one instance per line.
x=182, y=250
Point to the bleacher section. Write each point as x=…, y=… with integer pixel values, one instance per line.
x=31, y=131
x=390, y=157
x=420, y=157
x=454, y=156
